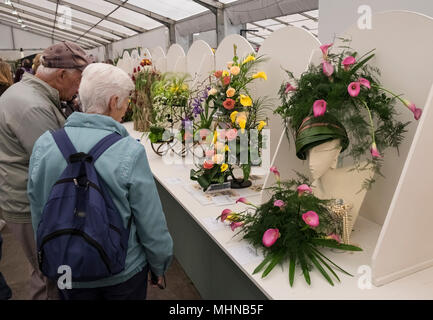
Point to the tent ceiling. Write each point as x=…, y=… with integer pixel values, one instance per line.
x=99, y=22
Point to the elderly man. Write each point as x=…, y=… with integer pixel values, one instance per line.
x=124, y=169
x=28, y=109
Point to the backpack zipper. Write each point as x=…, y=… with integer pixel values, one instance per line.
x=88, y=239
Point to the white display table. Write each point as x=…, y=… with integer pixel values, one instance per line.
x=213, y=258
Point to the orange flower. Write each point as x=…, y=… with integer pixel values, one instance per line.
x=218, y=74
x=207, y=165
x=226, y=81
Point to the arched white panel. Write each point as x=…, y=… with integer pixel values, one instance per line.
x=225, y=52
x=200, y=61
x=174, y=53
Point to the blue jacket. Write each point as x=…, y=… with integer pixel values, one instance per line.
x=125, y=170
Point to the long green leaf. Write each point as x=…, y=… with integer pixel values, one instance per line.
x=360, y=64
x=325, y=264
x=273, y=263
x=292, y=268
x=304, y=267
x=320, y=268
x=339, y=268
x=334, y=244
x=264, y=262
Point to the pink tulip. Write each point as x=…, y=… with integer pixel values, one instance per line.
x=270, y=236
x=374, y=152
x=235, y=225
x=311, y=218
x=303, y=188
x=279, y=203
x=348, y=61
x=335, y=237
x=289, y=88
x=328, y=68
x=354, y=89
x=225, y=214
x=243, y=200
x=324, y=49
x=412, y=107
x=275, y=172
x=364, y=82
x=319, y=108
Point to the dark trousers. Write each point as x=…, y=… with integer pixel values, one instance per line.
x=5, y=291
x=132, y=289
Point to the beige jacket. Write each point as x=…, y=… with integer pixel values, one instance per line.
x=27, y=109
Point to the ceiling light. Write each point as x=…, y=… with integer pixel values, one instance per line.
x=14, y=12
x=8, y=2
x=19, y=20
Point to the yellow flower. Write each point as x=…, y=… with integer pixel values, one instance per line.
x=226, y=73
x=260, y=74
x=248, y=59
x=233, y=115
x=215, y=136
x=261, y=125
x=184, y=87
x=246, y=101
x=242, y=123
x=224, y=167
x=230, y=92
x=235, y=70
x=227, y=149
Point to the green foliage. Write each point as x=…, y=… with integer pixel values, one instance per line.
x=353, y=112
x=298, y=243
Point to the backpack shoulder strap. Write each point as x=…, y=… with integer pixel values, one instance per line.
x=63, y=143
x=103, y=145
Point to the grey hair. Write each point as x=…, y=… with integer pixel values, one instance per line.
x=101, y=81
x=47, y=72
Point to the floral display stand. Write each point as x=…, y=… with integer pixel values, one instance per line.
x=393, y=226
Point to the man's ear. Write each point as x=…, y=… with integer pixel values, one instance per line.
x=113, y=103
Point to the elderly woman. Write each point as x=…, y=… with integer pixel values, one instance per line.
x=124, y=169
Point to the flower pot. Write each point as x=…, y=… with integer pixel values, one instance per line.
x=240, y=184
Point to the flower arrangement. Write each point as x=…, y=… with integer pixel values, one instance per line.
x=170, y=95
x=229, y=106
x=292, y=226
x=141, y=99
x=342, y=98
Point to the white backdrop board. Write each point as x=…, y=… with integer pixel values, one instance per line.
x=224, y=52
x=288, y=48
x=200, y=61
x=159, y=59
x=403, y=53
x=176, y=59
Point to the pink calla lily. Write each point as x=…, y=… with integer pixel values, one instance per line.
x=324, y=49
x=335, y=237
x=374, y=151
x=328, y=68
x=289, y=88
x=354, y=89
x=275, y=172
x=311, y=218
x=412, y=107
x=279, y=203
x=225, y=214
x=303, y=188
x=319, y=108
x=235, y=225
x=364, y=82
x=243, y=200
x=348, y=61
x=270, y=236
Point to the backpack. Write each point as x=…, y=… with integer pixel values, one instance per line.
x=80, y=225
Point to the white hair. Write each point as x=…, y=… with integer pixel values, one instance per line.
x=101, y=81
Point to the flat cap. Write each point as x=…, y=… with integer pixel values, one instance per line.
x=65, y=55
